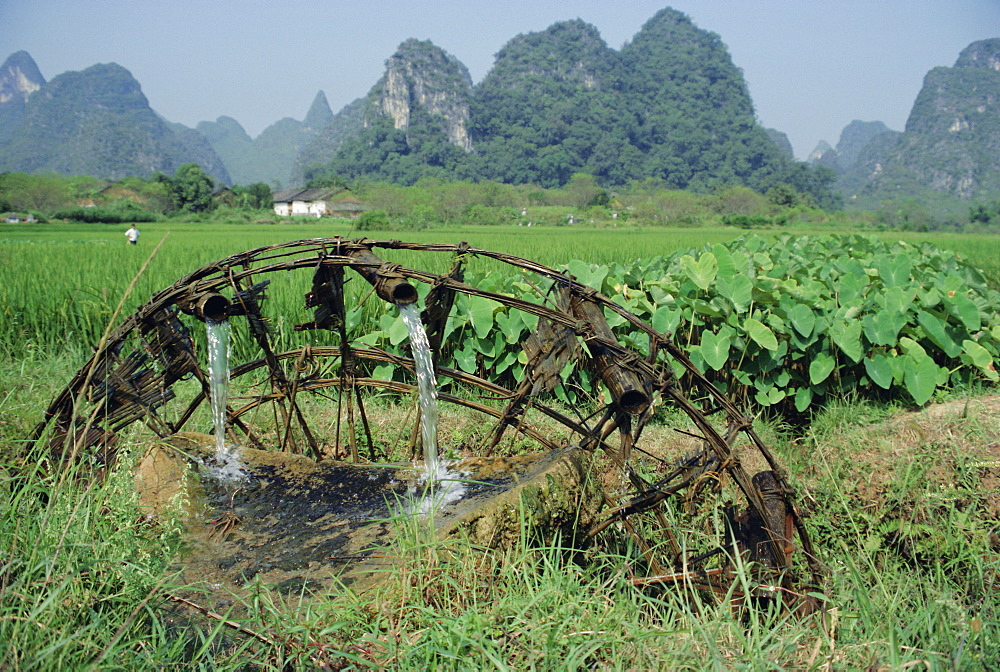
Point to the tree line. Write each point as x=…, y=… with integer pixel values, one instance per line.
x=88, y=199
x=434, y=201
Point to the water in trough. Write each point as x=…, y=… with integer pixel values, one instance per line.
x=295, y=523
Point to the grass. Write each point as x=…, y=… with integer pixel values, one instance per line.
x=59, y=283
x=903, y=507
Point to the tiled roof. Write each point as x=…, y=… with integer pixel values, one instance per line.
x=289, y=195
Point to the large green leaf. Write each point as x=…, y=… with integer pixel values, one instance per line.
x=658, y=294
x=803, y=319
x=803, y=397
x=694, y=354
x=702, y=271
x=760, y=333
x=981, y=358
x=715, y=349
x=505, y=362
x=879, y=370
x=614, y=319
x=769, y=396
x=929, y=297
x=481, y=313
x=384, y=371
x=666, y=319
x=883, y=328
x=488, y=347
x=850, y=286
x=934, y=328
x=895, y=270
x=466, y=358
x=912, y=348
x=591, y=275
x=510, y=325
x=703, y=307
x=737, y=289
x=965, y=310
x=847, y=336
x=398, y=332
x=372, y=338
x=920, y=378
x=821, y=367
x=898, y=300
x=724, y=261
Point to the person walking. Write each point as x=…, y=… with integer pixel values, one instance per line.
x=132, y=234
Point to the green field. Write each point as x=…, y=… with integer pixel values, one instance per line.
x=59, y=283
x=904, y=508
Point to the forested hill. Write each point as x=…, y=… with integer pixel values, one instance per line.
x=670, y=105
x=412, y=124
x=19, y=78
x=950, y=148
x=271, y=156
x=98, y=122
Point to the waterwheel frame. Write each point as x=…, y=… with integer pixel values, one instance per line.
x=150, y=359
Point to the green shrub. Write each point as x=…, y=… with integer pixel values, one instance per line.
x=373, y=220
x=782, y=324
x=119, y=213
x=753, y=222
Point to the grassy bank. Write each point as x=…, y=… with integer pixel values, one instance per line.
x=903, y=508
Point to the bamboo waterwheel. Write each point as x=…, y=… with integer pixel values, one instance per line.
x=309, y=321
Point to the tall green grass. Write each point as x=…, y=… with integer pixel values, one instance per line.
x=59, y=283
x=980, y=250
x=85, y=578
x=92, y=594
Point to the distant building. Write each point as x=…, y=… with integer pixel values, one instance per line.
x=305, y=202
x=17, y=218
x=346, y=204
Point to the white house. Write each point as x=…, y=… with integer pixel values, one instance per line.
x=303, y=202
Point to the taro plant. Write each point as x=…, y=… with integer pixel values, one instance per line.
x=789, y=321
x=778, y=323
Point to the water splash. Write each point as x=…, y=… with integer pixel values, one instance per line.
x=436, y=490
x=439, y=484
x=227, y=467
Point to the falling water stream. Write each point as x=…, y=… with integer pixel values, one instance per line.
x=229, y=467
x=426, y=385
x=439, y=484
x=443, y=486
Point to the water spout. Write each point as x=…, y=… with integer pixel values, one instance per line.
x=630, y=392
x=389, y=285
x=207, y=306
x=441, y=486
x=218, y=372
x=426, y=386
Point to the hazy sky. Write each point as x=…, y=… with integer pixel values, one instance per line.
x=812, y=66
